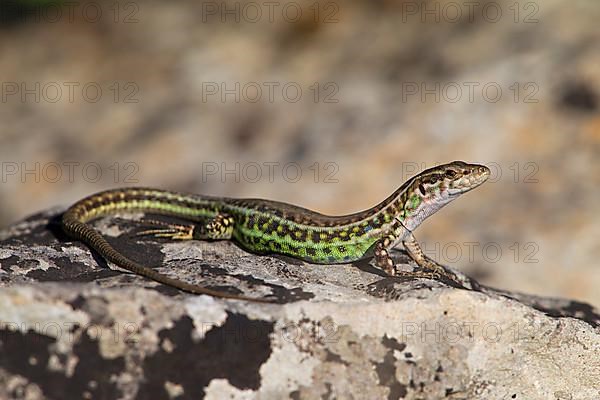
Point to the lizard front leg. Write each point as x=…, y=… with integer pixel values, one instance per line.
x=399, y=233
x=385, y=261
x=418, y=255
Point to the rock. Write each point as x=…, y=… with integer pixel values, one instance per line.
x=73, y=327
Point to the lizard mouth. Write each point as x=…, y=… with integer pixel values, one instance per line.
x=480, y=175
x=477, y=176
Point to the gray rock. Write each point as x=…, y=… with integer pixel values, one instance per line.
x=74, y=327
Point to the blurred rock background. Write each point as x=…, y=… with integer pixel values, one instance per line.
x=237, y=98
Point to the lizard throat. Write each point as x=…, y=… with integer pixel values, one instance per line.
x=426, y=208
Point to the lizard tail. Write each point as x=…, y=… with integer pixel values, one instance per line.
x=74, y=224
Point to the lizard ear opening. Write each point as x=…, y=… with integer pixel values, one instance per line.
x=422, y=189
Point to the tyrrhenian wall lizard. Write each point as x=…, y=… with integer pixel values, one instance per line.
x=264, y=226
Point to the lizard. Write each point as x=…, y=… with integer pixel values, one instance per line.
x=270, y=227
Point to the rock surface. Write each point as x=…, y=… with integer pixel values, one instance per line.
x=72, y=327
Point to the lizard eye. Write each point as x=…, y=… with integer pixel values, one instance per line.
x=450, y=173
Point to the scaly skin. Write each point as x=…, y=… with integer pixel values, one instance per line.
x=263, y=226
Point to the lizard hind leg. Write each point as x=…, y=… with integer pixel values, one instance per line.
x=167, y=230
x=218, y=227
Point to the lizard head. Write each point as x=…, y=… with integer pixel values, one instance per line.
x=435, y=187
x=446, y=182
x=460, y=177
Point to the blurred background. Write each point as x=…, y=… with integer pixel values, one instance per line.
x=327, y=104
